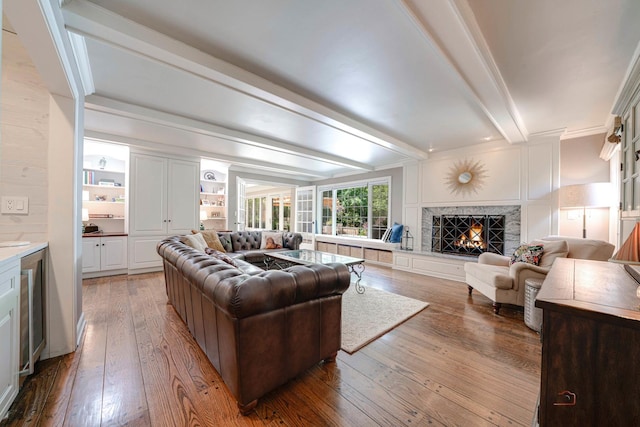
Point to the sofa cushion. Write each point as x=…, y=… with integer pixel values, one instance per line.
x=552, y=249
x=196, y=241
x=271, y=240
x=528, y=253
x=495, y=275
x=212, y=239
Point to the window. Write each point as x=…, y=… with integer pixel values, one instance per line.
x=255, y=213
x=358, y=210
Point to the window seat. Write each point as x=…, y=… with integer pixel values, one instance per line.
x=372, y=250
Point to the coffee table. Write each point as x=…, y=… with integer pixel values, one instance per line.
x=286, y=259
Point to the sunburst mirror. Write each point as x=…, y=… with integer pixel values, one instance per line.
x=466, y=177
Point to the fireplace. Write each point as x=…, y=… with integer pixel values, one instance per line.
x=503, y=217
x=468, y=234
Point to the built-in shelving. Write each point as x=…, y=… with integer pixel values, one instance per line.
x=104, y=189
x=213, y=196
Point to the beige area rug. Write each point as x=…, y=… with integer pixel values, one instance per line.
x=367, y=316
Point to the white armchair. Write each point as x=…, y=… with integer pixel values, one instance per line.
x=493, y=277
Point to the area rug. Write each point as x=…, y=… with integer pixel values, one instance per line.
x=367, y=316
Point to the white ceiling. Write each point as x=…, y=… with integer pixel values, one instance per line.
x=309, y=89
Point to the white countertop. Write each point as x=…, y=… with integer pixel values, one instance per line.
x=17, y=252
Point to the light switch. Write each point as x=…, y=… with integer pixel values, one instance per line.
x=14, y=205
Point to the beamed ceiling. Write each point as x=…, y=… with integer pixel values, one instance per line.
x=314, y=89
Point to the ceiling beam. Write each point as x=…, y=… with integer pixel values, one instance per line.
x=88, y=19
x=182, y=150
x=450, y=28
x=145, y=114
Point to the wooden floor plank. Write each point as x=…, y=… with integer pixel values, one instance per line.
x=85, y=405
x=455, y=363
x=124, y=399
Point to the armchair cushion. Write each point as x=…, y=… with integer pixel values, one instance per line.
x=497, y=276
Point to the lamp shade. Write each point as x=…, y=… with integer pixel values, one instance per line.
x=629, y=252
x=592, y=195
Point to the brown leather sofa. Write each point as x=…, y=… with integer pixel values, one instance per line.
x=247, y=244
x=258, y=328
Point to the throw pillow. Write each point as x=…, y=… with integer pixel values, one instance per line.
x=212, y=239
x=396, y=233
x=221, y=256
x=530, y=254
x=271, y=240
x=552, y=249
x=196, y=241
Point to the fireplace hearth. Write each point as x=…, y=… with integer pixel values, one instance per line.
x=468, y=234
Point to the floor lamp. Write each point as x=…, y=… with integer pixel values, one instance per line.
x=584, y=196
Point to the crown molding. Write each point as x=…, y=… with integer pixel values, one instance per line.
x=629, y=86
x=579, y=133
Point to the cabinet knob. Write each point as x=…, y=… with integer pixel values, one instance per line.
x=566, y=398
x=164, y=220
x=169, y=220
x=97, y=245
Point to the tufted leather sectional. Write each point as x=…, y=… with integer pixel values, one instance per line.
x=247, y=244
x=258, y=328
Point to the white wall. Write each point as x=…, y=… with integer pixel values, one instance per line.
x=580, y=163
x=524, y=174
x=24, y=119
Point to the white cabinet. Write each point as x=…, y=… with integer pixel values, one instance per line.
x=164, y=196
x=9, y=333
x=164, y=201
x=106, y=253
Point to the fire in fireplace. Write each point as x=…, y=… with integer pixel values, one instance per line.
x=468, y=234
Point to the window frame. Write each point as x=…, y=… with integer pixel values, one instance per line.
x=333, y=188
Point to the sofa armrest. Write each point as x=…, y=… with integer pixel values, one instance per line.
x=493, y=259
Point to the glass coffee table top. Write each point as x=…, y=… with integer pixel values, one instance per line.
x=307, y=256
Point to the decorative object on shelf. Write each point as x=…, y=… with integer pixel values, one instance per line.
x=407, y=240
x=85, y=217
x=206, y=203
x=102, y=163
x=208, y=175
x=466, y=177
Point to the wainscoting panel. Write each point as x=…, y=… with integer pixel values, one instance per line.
x=540, y=171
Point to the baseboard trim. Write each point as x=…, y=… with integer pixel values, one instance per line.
x=80, y=328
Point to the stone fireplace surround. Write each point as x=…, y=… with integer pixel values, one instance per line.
x=512, y=223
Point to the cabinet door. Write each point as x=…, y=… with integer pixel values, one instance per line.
x=113, y=253
x=90, y=254
x=143, y=254
x=9, y=334
x=148, y=195
x=568, y=392
x=183, y=196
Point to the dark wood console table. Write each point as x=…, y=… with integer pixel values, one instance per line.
x=590, y=345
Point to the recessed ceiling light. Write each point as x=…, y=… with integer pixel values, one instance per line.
x=487, y=138
x=430, y=150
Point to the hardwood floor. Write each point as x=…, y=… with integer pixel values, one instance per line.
x=455, y=363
